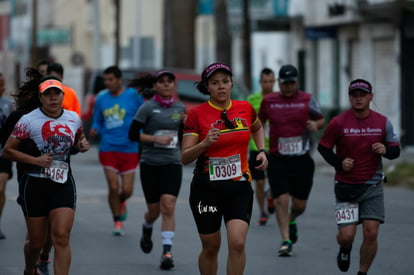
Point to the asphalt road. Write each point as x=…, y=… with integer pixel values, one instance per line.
x=96, y=251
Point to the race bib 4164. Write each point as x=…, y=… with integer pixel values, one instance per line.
x=57, y=172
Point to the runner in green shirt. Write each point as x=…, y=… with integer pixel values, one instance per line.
x=267, y=81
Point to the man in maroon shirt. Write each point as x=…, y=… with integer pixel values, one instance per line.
x=360, y=137
x=293, y=115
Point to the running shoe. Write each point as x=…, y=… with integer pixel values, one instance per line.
x=344, y=258
x=43, y=267
x=146, y=242
x=263, y=219
x=167, y=261
x=118, y=228
x=285, y=249
x=293, y=231
x=2, y=236
x=270, y=205
x=124, y=211
x=36, y=272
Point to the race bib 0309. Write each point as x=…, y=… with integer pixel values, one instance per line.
x=225, y=168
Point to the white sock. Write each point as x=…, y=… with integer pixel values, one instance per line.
x=167, y=237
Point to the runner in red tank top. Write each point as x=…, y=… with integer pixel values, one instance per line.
x=217, y=135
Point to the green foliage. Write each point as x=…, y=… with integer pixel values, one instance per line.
x=402, y=174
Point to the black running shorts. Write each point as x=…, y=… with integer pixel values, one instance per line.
x=256, y=174
x=38, y=196
x=157, y=180
x=6, y=166
x=291, y=174
x=210, y=202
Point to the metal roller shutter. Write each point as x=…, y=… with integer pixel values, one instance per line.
x=385, y=82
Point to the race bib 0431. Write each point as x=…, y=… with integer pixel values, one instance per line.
x=290, y=145
x=346, y=213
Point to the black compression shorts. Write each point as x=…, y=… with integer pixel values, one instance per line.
x=38, y=196
x=157, y=180
x=291, y=174
x=210, y=202
x=256, y=174
x=6, y=166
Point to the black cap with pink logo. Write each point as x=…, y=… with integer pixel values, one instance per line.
x=360, y=85
x=212, y=68
x=161, y=73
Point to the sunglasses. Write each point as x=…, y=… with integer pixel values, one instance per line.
x=229, y=124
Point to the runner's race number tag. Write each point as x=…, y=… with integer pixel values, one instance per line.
x=225, y=168
x=346, y=212
x=290, y=145
x=57, y=172
x=170, y=133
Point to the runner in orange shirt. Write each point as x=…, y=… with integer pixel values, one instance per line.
x=70, y=99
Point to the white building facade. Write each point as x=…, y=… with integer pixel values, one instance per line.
x=349, y=39
x=331, y=43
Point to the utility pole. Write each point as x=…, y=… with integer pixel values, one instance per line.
x=247, y=55
x=34, y=50
x=179, y=55
x=96, y=35
x=117, y=31
x=136, y=43
x=223, y=35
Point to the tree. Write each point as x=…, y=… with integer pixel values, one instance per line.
x=223, y=36
x=179, y=24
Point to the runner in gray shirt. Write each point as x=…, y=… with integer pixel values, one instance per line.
x=161, y=123
x=158, y=127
